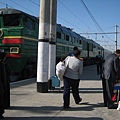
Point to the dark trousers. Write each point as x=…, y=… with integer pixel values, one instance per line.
x=4, y=88
x=108, y=87
x=1, y=104
x=1, y=90
x=104, y=92
x=99, y=68
x=74, y=84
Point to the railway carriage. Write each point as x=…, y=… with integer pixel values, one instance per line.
x=19, y=41
x=66, y=40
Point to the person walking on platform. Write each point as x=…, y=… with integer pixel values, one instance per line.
x=110, y=69
x=99, y=61
x=72, y=53
x=72, y=78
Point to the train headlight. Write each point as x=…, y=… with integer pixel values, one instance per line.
x=1, y=33
x=14, y=50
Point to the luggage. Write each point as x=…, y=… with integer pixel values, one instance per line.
x=61, y=68
x=55, y=81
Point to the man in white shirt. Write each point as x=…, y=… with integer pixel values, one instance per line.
x=72, y=79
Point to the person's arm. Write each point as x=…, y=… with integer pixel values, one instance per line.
x=81, y=59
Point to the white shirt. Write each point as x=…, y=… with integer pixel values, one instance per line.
x=74, y=68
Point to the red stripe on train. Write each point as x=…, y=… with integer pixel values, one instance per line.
x=13, y=41
x=13, y=55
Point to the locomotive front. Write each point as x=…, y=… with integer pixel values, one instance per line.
x=14, y=42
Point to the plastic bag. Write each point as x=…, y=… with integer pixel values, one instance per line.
x=61, y=68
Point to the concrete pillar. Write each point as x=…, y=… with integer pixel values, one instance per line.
x=43, y=47
x=52, y=45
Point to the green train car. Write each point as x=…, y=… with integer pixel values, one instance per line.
x=19, y=41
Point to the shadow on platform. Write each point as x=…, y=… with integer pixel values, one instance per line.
x=51, y=118
x=50, y=109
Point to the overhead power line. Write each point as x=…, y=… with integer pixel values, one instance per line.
x=73, y=13
x=102, y=33
x=6, y=4
x=22, y=6
x=96, y=23
x=35, y=3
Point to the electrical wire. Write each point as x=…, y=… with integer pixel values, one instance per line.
x=96, y=23
x=35, y=3
x=73, y=14
x=22, y=6
x=5, y=4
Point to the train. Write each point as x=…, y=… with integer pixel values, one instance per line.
x=19, y=41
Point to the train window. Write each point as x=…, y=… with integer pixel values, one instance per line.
x=11, y=20
x=67, y=37
x=80, y=42
x=29, y=24
x=91, y=47
x=58, y=35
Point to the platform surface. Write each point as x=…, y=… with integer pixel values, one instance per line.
x=28, y=104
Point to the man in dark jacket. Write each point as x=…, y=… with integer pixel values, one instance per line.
x=99, y=61
x=110, y=69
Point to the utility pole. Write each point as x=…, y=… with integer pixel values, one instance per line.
x=52, y=40
x=116, y=36
x=6, y=5
x=96, y=36
x=43, y=47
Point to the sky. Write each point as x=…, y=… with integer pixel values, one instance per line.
x=93, y=19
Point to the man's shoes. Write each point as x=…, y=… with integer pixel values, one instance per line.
x=105, y=104
x=62, y=87
x=79, y=101
x=112, y=107
x=1, y=117
x=66, y=108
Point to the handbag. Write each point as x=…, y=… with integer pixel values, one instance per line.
x=61, y=68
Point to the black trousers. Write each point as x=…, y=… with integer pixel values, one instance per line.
x=4, y=88
x=74, y=84
x=108, y=87
x=99, y=68
x=1, y=104
x=104, y=92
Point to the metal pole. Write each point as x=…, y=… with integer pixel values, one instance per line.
x=52, y=45
x=43, y=46
x=116, y=36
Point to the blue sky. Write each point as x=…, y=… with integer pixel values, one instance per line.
x=99, y=16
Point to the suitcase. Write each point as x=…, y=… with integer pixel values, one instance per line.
x=55, y=82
